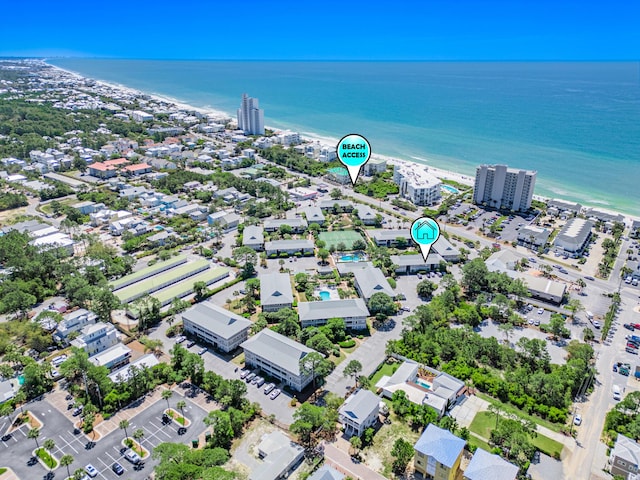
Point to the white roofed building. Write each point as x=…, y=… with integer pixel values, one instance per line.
x=417, y=184
x=216, y=325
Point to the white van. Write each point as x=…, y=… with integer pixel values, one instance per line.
x=589, y=315
x=617, y=394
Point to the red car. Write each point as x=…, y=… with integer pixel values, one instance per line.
x=636, y=326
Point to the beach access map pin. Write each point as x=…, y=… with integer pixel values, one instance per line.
x=354, y=151
x=425, y=231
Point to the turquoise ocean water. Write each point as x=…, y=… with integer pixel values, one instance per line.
x=577, y=124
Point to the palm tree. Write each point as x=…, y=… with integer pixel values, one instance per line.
x=497, y=409
x=65, y=461
x=34, y=433
x=49, y=445
x=78, y=474
x=180, y=405
x=166, y=395
x=138, y=435
x=123, y=425
x=20, y=398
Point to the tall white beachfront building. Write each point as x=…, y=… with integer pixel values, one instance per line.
x=416, y=184
x=250, y=116
x=499, y=186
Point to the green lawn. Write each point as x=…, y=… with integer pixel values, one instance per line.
x=508, y=408
x=48, y=460
x=177, y=418
x=484, y=422
x=478, y=442
x=386, y=369
x=2, y=470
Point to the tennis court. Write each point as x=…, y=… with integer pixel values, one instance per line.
x=348, y=237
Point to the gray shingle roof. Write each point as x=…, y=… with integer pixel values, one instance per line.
x=275, y=288
x=252, y=234
x=289, y=245
x=485, y=466
x=440, y=444
x=314, y=214
x=359, y=406
x=416, y=260
x=293, y=222
x=216, y=319
x=384, y=235
x=277, y=350
x=372, y=280
x=326, y=473
x=354, y=307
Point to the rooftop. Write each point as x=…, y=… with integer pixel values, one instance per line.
x=440, y=444
x=275, y=289
x=354, y=307
x=486, y=466
x=371, y=280
x=216, y=319
x=360, y=405
x=278, y=350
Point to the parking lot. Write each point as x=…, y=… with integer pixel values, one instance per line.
x=16, y=449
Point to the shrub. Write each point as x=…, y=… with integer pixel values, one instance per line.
x=347, y=343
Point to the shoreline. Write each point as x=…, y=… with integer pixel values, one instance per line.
x=313, y=137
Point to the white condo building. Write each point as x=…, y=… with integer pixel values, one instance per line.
x=250, y=116
x=499, y=186
x=416, y=184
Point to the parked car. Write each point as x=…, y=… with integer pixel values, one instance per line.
x=202, y=351
x=91, y=470
x=77, y=411
x=244, y=373
x=250, y=377
x=268, y=388
x=180, y=338
x=633, y=351
x=540, y=311
x=117, y=468
x=132, y=456
x=596, y=324
x=628, y=326
x=255, y=380
x=190, y=344
x=536, y=322
x=274, y=394
x=589, y=278
x=577, y=420
x=260, y=382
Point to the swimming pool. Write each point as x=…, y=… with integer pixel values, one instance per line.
x=449, y=189
x=324, y=295
x=21, y=379
x=353, y=257
x=422, y=383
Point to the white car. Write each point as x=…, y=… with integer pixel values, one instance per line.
x=91, y=470
x=132, y=456
x=540, y=311
x=274, y=394
x=577, y=420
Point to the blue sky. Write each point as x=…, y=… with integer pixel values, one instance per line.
x=299, y=30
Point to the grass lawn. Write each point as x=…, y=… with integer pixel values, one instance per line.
x=514, y=410
x=3, y=470
x=478, y=442
x=380, y=451
x=238, y=360
x=386, y=369
x=48, y=460
x=484, y=422
x=178, y=418
x=338, y=360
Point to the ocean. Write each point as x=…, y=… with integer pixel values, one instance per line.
x=577, y=124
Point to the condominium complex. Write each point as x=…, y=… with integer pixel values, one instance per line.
x=216, y=326
x=499, y=186
x=417, y=184
x=96, y=338
x=250, y=116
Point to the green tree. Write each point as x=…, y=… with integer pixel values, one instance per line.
x=307, y=419
x=402, y=452
x=199, y=288
x=180, y=406
x=66, y=461
x=381, y=303
x=315, y=365
x=556, y=323
x=123, y=425
x=353, y=369
x=138, y=435
x=79, y=474
x=356, y=444
x=474, y=276
x=166, y=395
x=323, y=254
x=33, y=434
x=49, y=445
x=588, y=335
x=574, y=306
x=321, y=343
x=426, y=288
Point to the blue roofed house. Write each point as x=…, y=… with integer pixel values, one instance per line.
x=438, y=453
x=487, y=466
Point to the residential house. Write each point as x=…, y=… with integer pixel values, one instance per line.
x=390, y=238
x=411, y=264
x=438, y=453
x=122, y=374
x=73, y=322
x=275, y=292
x=353, y=311
x=446, y=250
x=252, y=237
x=216, y=326
x=625, y=458
x=278, y=356
x=314, y=215
x=298, y=225
x=279, y=457
x=371, y=280
x=96, y=338
x=228, y=220
x=335, y=206
x=367, y=215
x=289, y=247
x=113, y=357
x=487, y=466
x=359, y=412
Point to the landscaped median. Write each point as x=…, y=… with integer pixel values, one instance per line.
x=45, y=458
x=136, y=447
x=178, y=417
